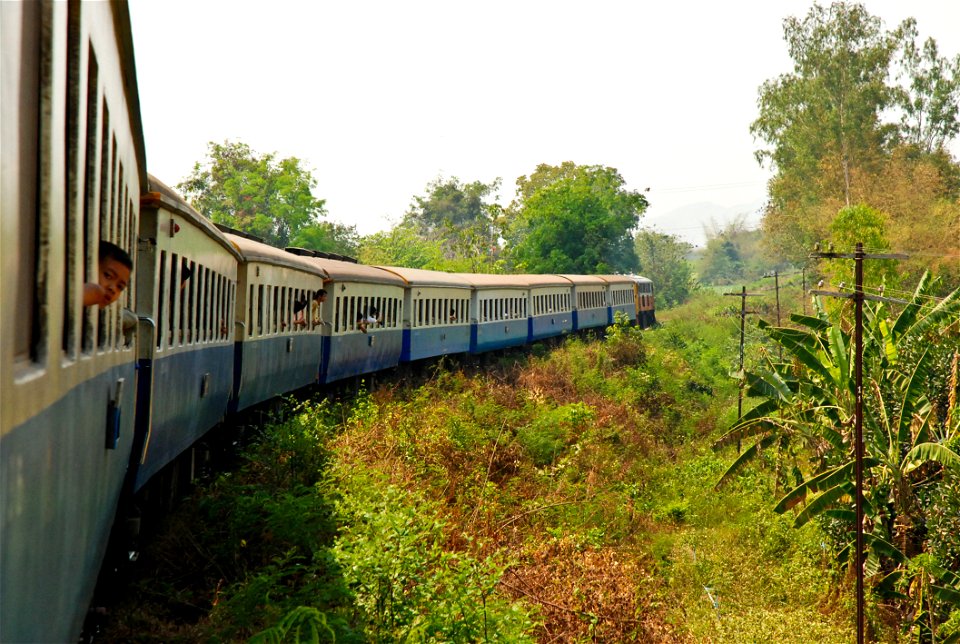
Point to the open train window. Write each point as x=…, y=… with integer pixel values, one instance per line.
x=161, y=287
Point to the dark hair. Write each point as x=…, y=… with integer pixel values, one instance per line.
x=112, y=251
x=319, y=294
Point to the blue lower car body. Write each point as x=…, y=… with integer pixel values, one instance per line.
x=190, y=393
x=429, y=342
x=59, y=488
x=275, y=366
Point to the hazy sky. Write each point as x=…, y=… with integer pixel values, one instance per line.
x=379, y=98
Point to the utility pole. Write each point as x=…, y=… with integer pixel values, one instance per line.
x=743, y=295
x=803, y=276
x=858, y=298
x=776, y=285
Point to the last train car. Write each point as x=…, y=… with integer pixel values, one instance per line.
x=73, y=169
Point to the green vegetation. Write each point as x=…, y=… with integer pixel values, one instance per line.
x=568, y=494
x=862, y=119
x=254, y=193
x=573, y=219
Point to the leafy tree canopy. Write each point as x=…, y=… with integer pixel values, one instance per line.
x=663, y=259
x=461, y=220
x=329, y=237
x=255, y=193
x=574, y=219
x=863, y=118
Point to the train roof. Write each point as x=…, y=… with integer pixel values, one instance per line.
x=339, y=271
x=423, y=277
x=491, y=280
x=585, y=280
x=619, y=279
x=255, y=251
x=536, y=281
x=160, y=195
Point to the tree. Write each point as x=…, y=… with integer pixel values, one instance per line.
x=662, y=258
x=932, y=93
x=839, y=131
x=578, y=219
x=823, y=120
x=461, y=220
x=861, y=224
x=255, y=193
x=401, y=246
x=329, y=237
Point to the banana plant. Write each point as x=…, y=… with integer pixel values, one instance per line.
x=808, y=403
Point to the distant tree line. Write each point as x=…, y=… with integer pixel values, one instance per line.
x=856, y=135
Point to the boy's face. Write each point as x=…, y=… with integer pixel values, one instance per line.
x=114, y=277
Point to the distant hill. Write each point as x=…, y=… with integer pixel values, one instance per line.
x=689, y=222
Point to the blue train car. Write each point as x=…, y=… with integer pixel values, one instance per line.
x=73, y=170
x=274, y=352
x=550, y=306
x=187, y=287
x=436, y=313
x=499, y=306
x=621, y=296
x=591, y=310
x=363, y=314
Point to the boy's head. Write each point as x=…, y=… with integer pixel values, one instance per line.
x=320, y=295
x=115, y=269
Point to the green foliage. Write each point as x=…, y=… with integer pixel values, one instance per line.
x=862, y=224
x=451, y=228
x=255, y=193
x=932, y=93
x=578, y=219
x=662, y=258
x=401, y=246
x=548, y=435
x=809, y=413
x=407, y=587
x=328, y=237
x=839, y=131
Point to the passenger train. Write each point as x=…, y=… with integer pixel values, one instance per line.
x=96, y=403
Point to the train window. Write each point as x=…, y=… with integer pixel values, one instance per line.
x=161, y=286
x=260, y=309
x=193, y=313
x=26, y=330
x=207, y=300
x=249, y=320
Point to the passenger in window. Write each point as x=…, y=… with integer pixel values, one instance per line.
x=114, y=268
x=316, y=307
x=299, y=313
x=371, y=319
x=316, y=310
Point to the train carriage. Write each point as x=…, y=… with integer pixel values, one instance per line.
x=73, y=169
x=590, y=302
x=274, y=354
x=550, y=305
x=621, y=297
x=436, y=313
x=499, y=306
x=188, y=278
x=643, y=293
x=363, y=311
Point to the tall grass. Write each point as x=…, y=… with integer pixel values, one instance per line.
x=562, y=495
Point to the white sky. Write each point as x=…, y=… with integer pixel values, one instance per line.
x=379, y=98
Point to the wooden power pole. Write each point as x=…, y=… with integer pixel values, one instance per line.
x=858, y=297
